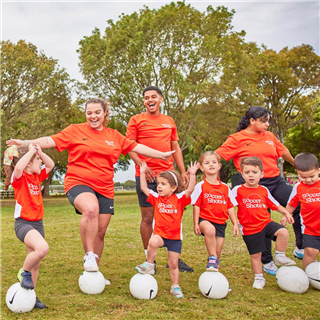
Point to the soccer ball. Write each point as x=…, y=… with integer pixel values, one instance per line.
x=292, y=279
x=91, y=282
x=143, y=286
x=20, y=300
x=213, y=285
x=313, y=272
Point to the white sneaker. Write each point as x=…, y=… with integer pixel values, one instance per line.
x=145, y=268
x=107, y=282
x=176, y=291
x=271, y=268
x=298, y=253
x=89, y=262
x=259, y=283
x=283, y=260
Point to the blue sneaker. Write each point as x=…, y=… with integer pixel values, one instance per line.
x=213, y=264
x=271, y=268
x=25, y=279
x=298, y=253
x=39, y=304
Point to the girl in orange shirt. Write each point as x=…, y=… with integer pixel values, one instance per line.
x=24, y=170
x=169, y=203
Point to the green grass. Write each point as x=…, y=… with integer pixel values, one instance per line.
x=60, y=270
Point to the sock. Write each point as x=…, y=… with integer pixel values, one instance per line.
x=258, y=275
x=280, y=253
x=145, y=251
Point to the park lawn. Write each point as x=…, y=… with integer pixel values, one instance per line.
x=60, y=270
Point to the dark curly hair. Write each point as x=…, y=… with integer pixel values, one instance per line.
x=254, y=112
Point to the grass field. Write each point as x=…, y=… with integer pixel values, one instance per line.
x=60, y=270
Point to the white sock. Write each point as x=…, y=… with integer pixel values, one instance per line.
x=258, y=275
x=280, y=252
x=146, y=251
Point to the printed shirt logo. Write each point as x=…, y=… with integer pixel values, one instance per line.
x=253, y=201
x=166, y=125
x=168, y=208
x=215, y=196
x=269, y=142
x=312, y=195
x=34, y=189
x=109, y=143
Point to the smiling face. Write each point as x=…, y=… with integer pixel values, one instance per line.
x=35, y=164
x=252, y=175
x=309, y=177
x=164, y=188
x=260, y=124
x=210, y=165
x=95, y=116
x=152, y=100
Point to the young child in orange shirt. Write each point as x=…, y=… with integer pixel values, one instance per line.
x=169, y=203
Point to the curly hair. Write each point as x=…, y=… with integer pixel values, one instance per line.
x=254, y=112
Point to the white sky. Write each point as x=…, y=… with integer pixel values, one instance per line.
x=56, y=27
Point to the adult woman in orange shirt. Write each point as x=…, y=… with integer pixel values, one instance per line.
x=93, y=150
x=253, y=139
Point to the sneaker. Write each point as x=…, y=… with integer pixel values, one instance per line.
x=145, y=268
x=213, y=264
x=271, y=268
x=229, y=290
x=25, y=279
x=176, y=291
x=298, y=253
x=89, y=262
x=39, y=304
x=106, y=282
x=259, y=283
x=283, y=260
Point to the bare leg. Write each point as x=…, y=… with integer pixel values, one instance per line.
x=155, y=242
x=209, y=232
x=219, y=245
x=146, y=225
x=173, y=261
x=104, y=220
x=256, y=263
x=282, y=239
x=310, y=255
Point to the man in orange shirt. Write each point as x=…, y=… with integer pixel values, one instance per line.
x=156, y=130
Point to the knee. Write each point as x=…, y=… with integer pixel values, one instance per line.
x=283, y=232
x=147, y=216
x=43, y=251
x=91, y=211
x=209, y=232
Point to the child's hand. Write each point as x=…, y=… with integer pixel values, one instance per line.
x=235, y=230
x=39, y=151
x=193, y=168
x=32, y=147
x=197, y=230
x=290, y=218
x=283, y=220
x=143, y=167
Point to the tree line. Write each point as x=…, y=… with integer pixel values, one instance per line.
x=208, y=73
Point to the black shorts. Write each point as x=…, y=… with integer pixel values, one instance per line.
x=22, y=227
x=105, y=204
x=256, y=242
x=172, y=245
x=311, y=241
x=141, y=196
x=220, y=228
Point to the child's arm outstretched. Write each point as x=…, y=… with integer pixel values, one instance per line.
x=48, y=162
x=24, y=161
x=143, y=182
x=286, y=215
x=196, y=214
x=284, y=219
x=192, y=170
x=233, y=219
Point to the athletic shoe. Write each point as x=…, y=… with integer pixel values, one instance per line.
x=89, y=262
x=298, y=253
x=145, y=268
x=39, y=304
x=106, y=282
x=230, y=289
x=259, y=283
x=25, y=279
x=213, y=264
x=176, y=291
x=271, y=268
x=283, y=260
x=183, y=267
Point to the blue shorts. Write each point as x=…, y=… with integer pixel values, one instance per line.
x=172, y=245
x=311, y=241
x=141, y=196
x=105, y=204
x=220, y=228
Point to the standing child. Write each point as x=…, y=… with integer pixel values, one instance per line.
x=307, y=193
x=213, y=202
x=25, y=173
x=255, y=221
x=169, y=203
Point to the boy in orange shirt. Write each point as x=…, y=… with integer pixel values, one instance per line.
x=307, y=193
x=254, y=219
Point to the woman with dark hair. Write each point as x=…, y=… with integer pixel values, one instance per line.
x=93, y=150
x=253, y=139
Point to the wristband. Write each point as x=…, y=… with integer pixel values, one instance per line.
x=27, y=142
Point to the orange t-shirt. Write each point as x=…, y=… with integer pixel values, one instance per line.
x=264, y=145
x=309, y=198
x=213, y=200
x=156, y=132
x=27, y=193
x=253, y=204
x=92, y=154
x=168, y=212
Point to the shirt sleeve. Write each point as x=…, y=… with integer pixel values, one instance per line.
x=196, y=195
x=232, y=202
x=63, y=139
x=126, y=144
x=43, y=174
x=151, y=198
x=174, y=132
x=272, y=203
x=132, y=131
x=294, y=198
x=228, y=149
x=279, y=147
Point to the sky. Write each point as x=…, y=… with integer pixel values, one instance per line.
x=56, y=27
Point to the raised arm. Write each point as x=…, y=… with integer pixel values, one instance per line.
x=47, y=161
x=143, y=182
x=152, y=153
x=23, y=162
x=43, y=142
x=178, y=158
x=192, y=170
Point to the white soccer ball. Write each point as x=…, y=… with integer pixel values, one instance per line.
x=292, y=279
x=20, y=300
x=143, y=286
x=91, y=282
x=313, y=272
x=213, y=285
